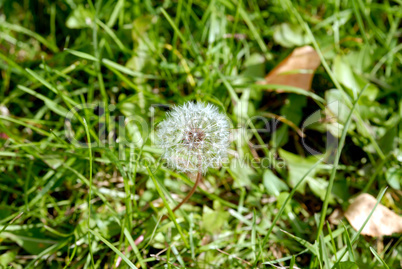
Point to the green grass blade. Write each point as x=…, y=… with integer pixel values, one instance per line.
x=335, y=165
x=289, y=89
x=356, y=236
x=280, y=212
x=135, y=248
x=110, y=245
x=82, y=55
x=309, y=246
x=379, y=258
x=23, y=30
x=90, y=190
x=349, y=244
x=61, y=111
x=332, y=239
x=323, y=252
x=170, y=212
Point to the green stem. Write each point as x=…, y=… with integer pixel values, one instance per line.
x=336, y=162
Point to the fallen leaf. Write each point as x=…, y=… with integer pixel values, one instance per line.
x=336, y=217
x=297, y=70
x=382, y=222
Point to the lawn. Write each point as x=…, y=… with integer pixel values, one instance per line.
x=304, y=100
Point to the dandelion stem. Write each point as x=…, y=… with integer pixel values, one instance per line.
x=190, y=193
x=197, y=181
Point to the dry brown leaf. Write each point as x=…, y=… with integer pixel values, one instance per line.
x=382, y=222
x=296, y=70
x=336, y=217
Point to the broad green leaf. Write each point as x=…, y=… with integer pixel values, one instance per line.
x=353, y=82
x=281, y=199
x=298, y=166
x=213, y=220
x=336, y=104
x=340, y=190
x=388, y=141
x=254, y=66
x=33, y=245
x=318, y=187
x=344, y=74
x=292, y=111
x=241, y=173
x=394, y=177
x=7, y=258
x=288, y=35
x=81, y=17
x=273, y=184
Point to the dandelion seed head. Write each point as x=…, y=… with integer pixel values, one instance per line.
x=194, y=136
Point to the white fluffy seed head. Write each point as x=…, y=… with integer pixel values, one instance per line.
x=195, y=136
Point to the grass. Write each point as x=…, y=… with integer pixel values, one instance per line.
x=83, y=86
